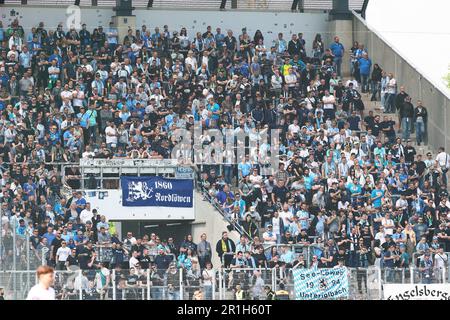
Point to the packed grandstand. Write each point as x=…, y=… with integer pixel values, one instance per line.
x=350, y=190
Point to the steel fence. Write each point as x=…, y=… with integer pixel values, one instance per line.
x=180, y=284
x=277, y=5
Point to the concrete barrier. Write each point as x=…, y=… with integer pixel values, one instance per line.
x=408, y=75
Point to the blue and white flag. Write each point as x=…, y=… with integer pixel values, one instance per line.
x=320, y=284
x=156, y=192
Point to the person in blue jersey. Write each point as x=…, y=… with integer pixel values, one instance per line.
x=377, y=196
x=365, y=65
x=338, y=51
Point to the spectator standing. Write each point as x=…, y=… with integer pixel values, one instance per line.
x=338, y=51
x=365, y=65
x=224, y=248
x=204, y=251
x=406, y=113
x=420, y=121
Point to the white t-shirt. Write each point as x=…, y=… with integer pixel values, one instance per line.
x=86, y=215
x=285, y=215
x=208, y=273
x=63, y=254
x=268, y=239
x=443, y=159
x=328, y=102
x=388, y=222
x=192, y=61
x=392, y=86
x=294, y=128
x=380, y=236
x=111, y=139
x=133, y=262
x=276, y=225
x=39, y=293
x=290, y=79
x=440, y=260
x=67, y=95
x=101, y=281
x=78, y=97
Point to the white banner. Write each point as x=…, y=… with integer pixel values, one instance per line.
x=320, y=284
x=128, y=162
x=416, y=291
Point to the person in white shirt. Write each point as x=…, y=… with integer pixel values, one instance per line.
x=88, y=153
x=43, y=290
x=440, y=259
x=381, y=235
x=355, y=83
x=402, y=203
x=291, y=79
x=133, y=260
x=111, y=135
x=86, y=215
x=269, y=236
x=391, y=89
x=294, y=127
x=286, y=215
x=444, y=162
x=388, y=224
x=62, y=254
x=276, y=81
x=255, y=178
x=190, y=59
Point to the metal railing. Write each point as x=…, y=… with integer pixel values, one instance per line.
x=180, y=284
x=233, y=223
x=278, y=5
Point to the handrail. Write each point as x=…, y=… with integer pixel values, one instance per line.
x=253, y=5
x=213, y=202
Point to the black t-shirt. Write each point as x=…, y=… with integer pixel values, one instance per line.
x=319, y=155
x=376, y=127
x=73, y=261
x=420, y=168
x=34, y=241
x=388, y=125
x=302, y=238
x=144, y=261
x=410, y=152
x=280, y=192
x=132, y=279
x=369, y=120
x=146, y=129
x=291, y=239
x=260, y=259
x=84, y=256
x=367, y=239
x=4, y=153
x=345, y=245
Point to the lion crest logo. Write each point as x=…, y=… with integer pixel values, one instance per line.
x=139, y=191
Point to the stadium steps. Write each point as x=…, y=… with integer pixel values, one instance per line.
x=209, y=220
x=375, y=106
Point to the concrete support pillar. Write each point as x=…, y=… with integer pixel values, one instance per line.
x=123, y=23
x=341, y=25
x=344, y=30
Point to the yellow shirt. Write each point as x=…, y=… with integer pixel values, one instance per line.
x=286, y=69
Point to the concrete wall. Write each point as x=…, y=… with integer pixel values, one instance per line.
x=270, y=23
x=418, y=87
x=209, y=221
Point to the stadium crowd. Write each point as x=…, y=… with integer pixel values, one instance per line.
x=347, y=181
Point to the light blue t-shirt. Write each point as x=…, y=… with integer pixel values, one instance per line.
x=377, y=193
x=245, y=168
